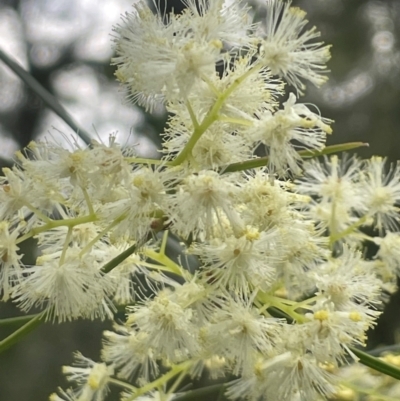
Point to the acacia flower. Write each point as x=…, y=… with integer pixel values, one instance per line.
x=239, y=333
x=262, y=241
x=141, y=196
x=68, y=288
x=127, y=350
x=346, y=282
x=240, y=264
x=90, y=379
x=389, y=251
x=293, y=127
x=171, y=332
x=381, y=191
x=329, y=333
x=161, y=56
x=335, y=186
x=286, y=48
x=14, y=190
x=207, y=197
x=287, y=376
x=10, y=265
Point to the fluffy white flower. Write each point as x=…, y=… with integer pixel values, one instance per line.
x=329, y=333
x=68, y=289
x=240, y=264
x=347, y=282
x=60, y=173
x=127, y=350
x=141, y=197
x=293, y=127
x=10, y=268
x=53, y=162
x=267, y=201
x=90, y=378
x=53, y=240
x=287, y=49
x=389, y=251
x=163, y=55
x=303, y=250
x=285, y=377
x=199, y=297
x=254, y=89
x=14, y=192
x=381, y=192
x=169, y=327
x=202, y=200
x=239, y=333
x=335, y=184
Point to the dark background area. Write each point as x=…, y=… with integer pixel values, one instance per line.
x=66, y=45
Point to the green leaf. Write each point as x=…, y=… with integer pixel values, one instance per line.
x=342, y=147
x=16, y=321
x=119, y=259
x=376, y=363
x=306, y=154
x=50, y=101
x=19, y=334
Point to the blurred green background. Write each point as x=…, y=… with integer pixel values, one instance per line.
x=66, y=45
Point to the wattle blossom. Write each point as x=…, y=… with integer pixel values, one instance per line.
x=226, y=263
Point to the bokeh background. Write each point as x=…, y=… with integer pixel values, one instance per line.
x=66, y=46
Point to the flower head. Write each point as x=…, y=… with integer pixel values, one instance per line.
x=161, y=56
x=90, y=378
x=295, y=126
x=286, y=49
x=381, y=193
x=69, y=287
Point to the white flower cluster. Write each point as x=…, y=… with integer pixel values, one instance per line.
x=283, y=289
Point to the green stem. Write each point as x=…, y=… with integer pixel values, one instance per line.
x=122, y=384
x=163, y=245
x=37, y=212
x=246, y=165
x=192, y=115
x=66, y=246
x=166, y=263
x=210, y=118
x=203, y=393
x=88, y=201
x=280, y=304
x=348, y=230
x=57, y=223
x=376, y=363
x=177, y=382
x=161, y=380
x=119, y=259
x=20, y=333
x=211, y=86
x=100, y=235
